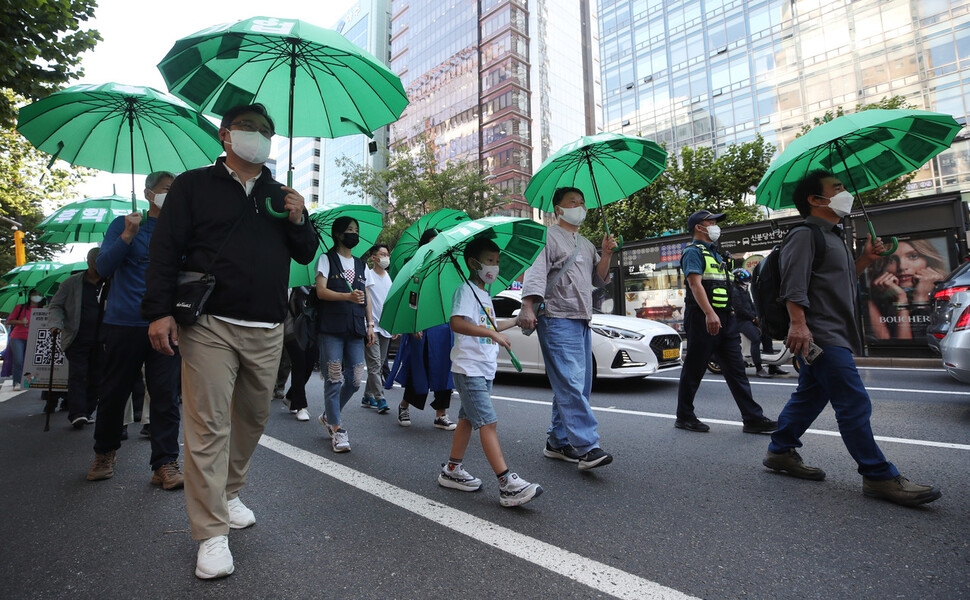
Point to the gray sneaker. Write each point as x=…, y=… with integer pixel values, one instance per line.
x=791, y=463
x=341, y=441
x=458, y=478
x=517, y=491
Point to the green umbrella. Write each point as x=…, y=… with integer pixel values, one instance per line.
x=120, y=129
x=11, y=296
x=310, y=78
x=407, y=244
x=421, y=296
x=48, y=285
x=29, y=274
x=85, y=221
x=370, y=220
x=613, y=166
x=864, y=150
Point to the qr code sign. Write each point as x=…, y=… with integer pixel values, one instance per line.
x=42, y=352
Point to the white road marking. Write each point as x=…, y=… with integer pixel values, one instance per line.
x=623, y=411
x=871, y=389
x=601, y=577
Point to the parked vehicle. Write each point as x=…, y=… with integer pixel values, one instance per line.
x=955, y=345
x=940, y=312
x=622, y=346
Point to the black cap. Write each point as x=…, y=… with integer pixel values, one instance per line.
x=702, y=215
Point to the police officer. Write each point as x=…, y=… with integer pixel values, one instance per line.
x=710, y=327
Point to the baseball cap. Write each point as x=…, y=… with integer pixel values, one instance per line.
x=702, y=215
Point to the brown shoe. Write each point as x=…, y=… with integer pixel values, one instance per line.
x=169, y=476
x=103, y=467
x=900, y=490
x=790, y=462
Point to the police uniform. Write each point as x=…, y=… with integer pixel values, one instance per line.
x=725, y=347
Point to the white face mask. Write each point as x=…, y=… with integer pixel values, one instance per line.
x=250, y=146
x=574, y=216
x=159, y=199
x=713, y=232
x=841, y=203
x=384, y=262
x=37, y=299
x=488, y=273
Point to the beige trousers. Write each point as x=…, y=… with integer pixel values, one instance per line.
x=228, y=373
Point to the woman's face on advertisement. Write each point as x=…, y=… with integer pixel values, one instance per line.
x=909, y=264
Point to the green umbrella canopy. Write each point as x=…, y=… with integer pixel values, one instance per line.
x=422, y=293
x=120, y=129
x=48, y=285
x=86, y=220
x=864, y=150
x=370, y=220
x=11, y=296
x=407, y=244
x=607, y=167
x=29, y=274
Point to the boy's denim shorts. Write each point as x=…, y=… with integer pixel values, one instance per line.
x=476, y=400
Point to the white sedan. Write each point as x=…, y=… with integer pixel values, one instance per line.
x=622, y=346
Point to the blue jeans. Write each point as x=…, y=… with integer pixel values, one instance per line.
x=342, y=369
x=17, y=350
x=833, y=378
x=567, y=350
x=476, y=400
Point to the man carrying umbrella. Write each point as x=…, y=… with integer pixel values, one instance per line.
x=124, y=335
x=217, y=221
x=557, y=301
x=823, y=309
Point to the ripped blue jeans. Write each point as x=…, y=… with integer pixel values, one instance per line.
x=342, y=370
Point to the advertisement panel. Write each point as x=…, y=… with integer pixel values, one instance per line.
x=37, y=360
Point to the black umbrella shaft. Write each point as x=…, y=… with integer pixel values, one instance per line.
x=596, y=193
x=848, y=172
x=289, y=172
x=131, y=141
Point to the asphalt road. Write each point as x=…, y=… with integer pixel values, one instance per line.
x=677, y=514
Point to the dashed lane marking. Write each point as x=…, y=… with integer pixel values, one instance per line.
x=871, y=389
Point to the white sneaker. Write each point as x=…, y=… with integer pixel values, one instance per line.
x=16, y=387
x=517, y=491
x=302, y=415
x=458, y=479
x=215, y=559
x=341, y=441
x=240, y=517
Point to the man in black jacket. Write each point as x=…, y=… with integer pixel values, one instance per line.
x=747, y=317
x=233, y=221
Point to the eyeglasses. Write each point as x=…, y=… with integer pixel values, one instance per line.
x=250, y=126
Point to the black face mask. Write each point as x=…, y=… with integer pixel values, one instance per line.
x=350, y=240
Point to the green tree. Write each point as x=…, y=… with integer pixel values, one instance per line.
x=40, y=47
x=414, y=184
x=25, y=183
x=893, y=190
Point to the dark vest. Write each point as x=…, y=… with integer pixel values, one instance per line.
x=342, y=317
x=714, y=279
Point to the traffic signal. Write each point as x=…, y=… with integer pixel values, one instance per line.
x=19, y=252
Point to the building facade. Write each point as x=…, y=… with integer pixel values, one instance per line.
x=716, y=72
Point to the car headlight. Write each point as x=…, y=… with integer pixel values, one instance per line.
x=616, y=333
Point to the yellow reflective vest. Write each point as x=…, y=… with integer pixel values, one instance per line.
x=715, y=279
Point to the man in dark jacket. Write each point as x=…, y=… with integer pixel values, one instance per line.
x=234, y=222
x=747, y=317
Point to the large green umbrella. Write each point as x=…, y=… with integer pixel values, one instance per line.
x=11, y=296
x=370, y=220
x=29, y=274
x=48, y=285
x=309, y=78
x=85, y=221
x=864, y=150
x=421, y=295
x=120, y=129
x=407, y=244
x=613, y=166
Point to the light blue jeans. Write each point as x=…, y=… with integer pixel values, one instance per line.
x=567, y=350
x=342, y=370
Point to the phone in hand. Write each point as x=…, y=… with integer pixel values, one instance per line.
x=814, y=351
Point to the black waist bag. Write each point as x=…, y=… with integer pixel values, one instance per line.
x=192, y=290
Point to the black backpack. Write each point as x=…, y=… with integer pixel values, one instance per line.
x=766, y=285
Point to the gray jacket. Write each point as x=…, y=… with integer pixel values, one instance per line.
x=572, y=298
x=65, y=308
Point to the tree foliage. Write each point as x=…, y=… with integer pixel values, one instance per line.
x=40, y=47
x=25, y=185
x=414, y=184
x=892, y=190
x=694, y=179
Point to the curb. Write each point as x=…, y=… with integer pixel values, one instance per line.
x=899, y=362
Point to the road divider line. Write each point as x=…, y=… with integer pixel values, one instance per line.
x=786, y=384
x=596, y=575
x=623, y=411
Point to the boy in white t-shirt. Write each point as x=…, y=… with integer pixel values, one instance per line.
x=473, y=359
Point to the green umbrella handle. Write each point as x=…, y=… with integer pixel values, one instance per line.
x=515, y=360
x=278, y=214
x=894, y=243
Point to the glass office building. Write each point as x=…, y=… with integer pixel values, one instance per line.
x=715, y=72
x=501, y=82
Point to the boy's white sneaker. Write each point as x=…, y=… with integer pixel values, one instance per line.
x=214, y=559
x=516, y=491
x=458, y=479
x=240, y=517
